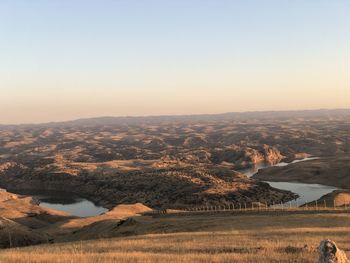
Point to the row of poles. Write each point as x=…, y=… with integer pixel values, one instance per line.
x=263, y=206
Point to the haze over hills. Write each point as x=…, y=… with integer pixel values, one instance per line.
x=174, y=131
x=167, y=161
x=249, y=115
x=134, y=166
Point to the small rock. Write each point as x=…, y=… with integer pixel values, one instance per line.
x=330, y=253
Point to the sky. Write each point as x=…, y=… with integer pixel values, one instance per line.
x=69, y=59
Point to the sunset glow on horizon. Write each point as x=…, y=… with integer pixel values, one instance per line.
x=63, y=60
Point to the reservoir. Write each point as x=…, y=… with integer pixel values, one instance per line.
x=66, y=202
x=82, y=207
x=306, y=192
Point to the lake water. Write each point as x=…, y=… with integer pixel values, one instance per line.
x=82, y=207
x=306, y=192
x=66, y=202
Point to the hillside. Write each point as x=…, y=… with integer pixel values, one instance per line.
x=169, y=161
x=23, y=222
x=332, y=171
x=222, y=237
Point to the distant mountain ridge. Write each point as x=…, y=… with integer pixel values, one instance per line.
x=238, y=116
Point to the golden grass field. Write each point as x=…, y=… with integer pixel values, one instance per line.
x=206, y=237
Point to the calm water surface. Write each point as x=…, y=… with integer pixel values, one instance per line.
x=82, y=207
x=306, y=192
x=66, y=202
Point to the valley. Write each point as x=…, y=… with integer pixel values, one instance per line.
x=168, y=162
x=118, y=170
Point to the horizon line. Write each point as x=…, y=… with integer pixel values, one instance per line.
x=169, y=115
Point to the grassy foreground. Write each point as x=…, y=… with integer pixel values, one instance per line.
x=220, y=237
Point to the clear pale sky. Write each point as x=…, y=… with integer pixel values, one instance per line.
x=67, y=59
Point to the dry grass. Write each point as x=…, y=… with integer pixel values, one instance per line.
x=209, y=238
